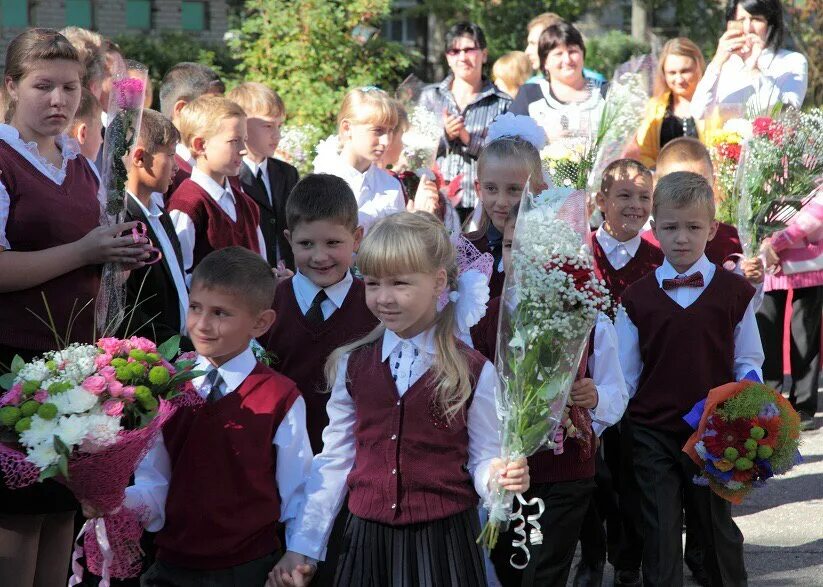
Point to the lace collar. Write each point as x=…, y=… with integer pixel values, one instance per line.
x=69, y=148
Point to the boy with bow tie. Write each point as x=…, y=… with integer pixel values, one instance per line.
x=688, y=326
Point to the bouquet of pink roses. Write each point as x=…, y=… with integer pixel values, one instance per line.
x=87, y=415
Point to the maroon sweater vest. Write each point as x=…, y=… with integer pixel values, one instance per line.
x=648, y=258
x=214, y=229
x=685, y=351
x=479, y=240
x=223, y=504
x=182, y=174
x=300, y=348
x=44, y=215
x=484, y=333
x=410, y=463
x=726, y=242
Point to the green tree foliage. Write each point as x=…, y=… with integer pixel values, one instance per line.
x=805, y=22
x=313, y=51
x=605, y=52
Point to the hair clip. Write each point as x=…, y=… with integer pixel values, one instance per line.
x=370, y=89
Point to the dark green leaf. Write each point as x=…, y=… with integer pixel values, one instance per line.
x=17, y=363
x=63, y=465
x=7, y=380
x=49, y=472
x=170, y=349
x=61, y=447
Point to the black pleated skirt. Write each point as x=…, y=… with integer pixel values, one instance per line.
x=442, y=553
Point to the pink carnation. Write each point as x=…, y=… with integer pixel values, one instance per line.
x=187, y=356
x=115, y=388
x=12, y=396
x=144, y=344
x=130, y=93
x=128, y=392
x=113, y=407
x=109, y=373
x=41, y=395
x=95, y=384
x=112, y=346
x=102, y=361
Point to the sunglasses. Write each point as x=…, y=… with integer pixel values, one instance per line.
x=467, y=51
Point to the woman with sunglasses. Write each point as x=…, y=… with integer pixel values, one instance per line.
x=565, y=102
x=749, y=67
x=469, y=102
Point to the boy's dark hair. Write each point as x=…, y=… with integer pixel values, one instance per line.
x=771, y=10
x=320, y=196
x=156, y=131
x=562, y=33
x=618, y=168
x=683, y=188
x=239, y=271
x=187, y=81
x=465, y=29
x=88, y=109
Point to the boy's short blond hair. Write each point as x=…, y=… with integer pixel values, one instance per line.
x=681, y=189
x=544, y=21
x=683, y=152
x=513, y=69
x=258, y=100
x=88, y=109
x=202, y=117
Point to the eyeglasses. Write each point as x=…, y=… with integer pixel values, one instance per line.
x=467, y=51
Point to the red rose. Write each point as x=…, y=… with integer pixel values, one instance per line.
x=729, y=151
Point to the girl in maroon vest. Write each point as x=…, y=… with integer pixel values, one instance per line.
x=50, y=249
x=413, y=431
x=506, y=164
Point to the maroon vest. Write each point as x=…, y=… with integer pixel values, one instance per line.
x=214, y=229
x=410, y=463
x=223, y=503
x=484, y=333
x=300, y=348
x=685, y=351
x=725, y=242
x=182, y=174
x=44, y=215
x=648, y=258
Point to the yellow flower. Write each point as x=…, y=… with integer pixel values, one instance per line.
x=724, y=465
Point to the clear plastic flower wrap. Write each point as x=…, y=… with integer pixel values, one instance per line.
x=124, y=114
x=422, y=139
x=550, y=303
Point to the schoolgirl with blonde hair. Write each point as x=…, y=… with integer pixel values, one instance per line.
x=413, y=434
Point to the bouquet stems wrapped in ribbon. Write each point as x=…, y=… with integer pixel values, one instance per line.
x=745, y=433
x=781, y=165
x=87, y=415
x=550, y=304
x=124, y=113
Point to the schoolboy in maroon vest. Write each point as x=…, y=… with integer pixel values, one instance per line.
x=209, y=211
x=688, y=327
x=227, y=470
x=322, y=307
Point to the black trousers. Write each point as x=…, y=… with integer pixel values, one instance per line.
x=596, y=542
x=664, y=473
x=807, y=305
x=251, y=574
x=566, y=505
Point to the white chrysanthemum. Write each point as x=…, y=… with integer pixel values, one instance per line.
x=741, y=126
x=43, y=455
x=71, y=429
x=34, y=371
x=327, y=151
x=74, y=401
x=39, y=432
x=102, y=432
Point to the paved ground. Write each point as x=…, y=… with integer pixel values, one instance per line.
x=783, y=523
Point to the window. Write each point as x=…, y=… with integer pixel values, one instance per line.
x=402, y=26
x=14, y=14
x=79, y=13
x=138, y=14
x=193, y=16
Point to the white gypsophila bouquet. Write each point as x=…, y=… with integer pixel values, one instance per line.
x=550, y=303
x=296, y=145
x=421, y=140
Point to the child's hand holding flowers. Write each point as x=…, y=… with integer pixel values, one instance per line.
x=512, y=476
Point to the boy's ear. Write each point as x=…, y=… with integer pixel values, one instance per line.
x=178, y=106
x=138, y=157
x=713, y=229
x=358, y=238
x=81, y=133
x=287, y=234
x=198, y=145
x=264, y=321
x=654, y=227
x=600, y=199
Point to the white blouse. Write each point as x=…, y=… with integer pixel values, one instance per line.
x=560, y=119
x=69, y=148
x=325, y=487
x=784, y=78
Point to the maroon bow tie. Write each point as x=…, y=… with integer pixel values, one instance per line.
x=693, y=280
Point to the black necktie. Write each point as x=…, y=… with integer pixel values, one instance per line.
x=262, y=184
x=165, y=222
x=214, y=381
x=315, y=313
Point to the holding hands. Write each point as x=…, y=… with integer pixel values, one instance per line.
x=120, y=243
x=293, y=570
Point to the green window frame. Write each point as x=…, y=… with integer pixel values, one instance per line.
x=14, y=14
x=79, y=13
x=138, y=14
x=194, y=16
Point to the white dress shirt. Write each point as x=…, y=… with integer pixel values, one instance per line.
x=618, y=253
x=94, y=169
x=604, y=368
x=748, y=352
x=152, y=214
x=255, y=167
x=183, y=152
x=326, y=486
x=305, y=290
x=378, y=194
x=184, y=226
x=784, y=77
x=153, y=474
x=69, y=148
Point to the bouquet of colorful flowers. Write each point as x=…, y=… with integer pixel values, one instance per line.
x=550, y=303
x=780, y=167
x=568, y=161
x=296, y=145
x=745, y=433
x=87, y=415
x=725, y=145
